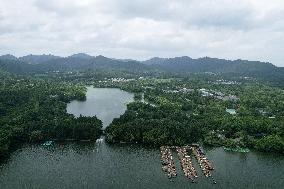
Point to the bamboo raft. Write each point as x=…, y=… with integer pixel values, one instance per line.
x=186, y=164
x=185, y=161
x=203, y=162
x=167, y=162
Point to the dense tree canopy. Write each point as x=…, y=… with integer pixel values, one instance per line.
x=176, y=112
x=33, y=110
x=173, y=108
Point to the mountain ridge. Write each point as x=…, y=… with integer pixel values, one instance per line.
x=151, y=61
x=176, y=65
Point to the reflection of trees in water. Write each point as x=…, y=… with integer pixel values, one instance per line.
x=105, y=103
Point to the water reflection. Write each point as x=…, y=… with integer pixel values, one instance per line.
x=88, y=165
x=105, y=103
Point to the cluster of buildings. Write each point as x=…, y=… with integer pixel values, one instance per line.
x=116, y=80
x=218, y=95
x=183, y=90
x=205, y=93
x=121, y=79
x=225, y=82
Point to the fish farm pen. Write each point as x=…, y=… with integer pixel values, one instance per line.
x=186, y=154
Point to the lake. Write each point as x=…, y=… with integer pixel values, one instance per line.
x=105, y=103
x=76, y=165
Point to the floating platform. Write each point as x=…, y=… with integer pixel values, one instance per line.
x=185, y=161
x=168, y=165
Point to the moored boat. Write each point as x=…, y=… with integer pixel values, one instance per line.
x=48, y=143
x=238, y=149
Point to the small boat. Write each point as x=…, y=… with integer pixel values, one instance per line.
x=238, y=149
x=87, y=140
x=48, y=143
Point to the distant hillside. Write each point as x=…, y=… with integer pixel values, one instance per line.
x=91, y=63
x=81, y=55
x=37, y=59
x=8, y=57
x=76, y=62
x=16, y=66
x=187, y=64
x=154, y=61
x=179, y=65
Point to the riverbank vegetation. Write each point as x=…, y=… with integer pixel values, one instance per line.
x=178, y=111
x=169, y=109
x=34, y=110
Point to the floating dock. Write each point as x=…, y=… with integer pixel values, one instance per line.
x=167, y=162
x=185, y=161
x=186, y=164
x=203, y=162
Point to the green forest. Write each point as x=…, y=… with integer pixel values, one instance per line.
x=34, y=110
x=176, y=113
x=228, y=108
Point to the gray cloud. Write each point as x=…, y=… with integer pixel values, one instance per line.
x=140, y=29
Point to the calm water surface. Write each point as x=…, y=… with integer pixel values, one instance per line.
x=89, y=165
x=105, y=103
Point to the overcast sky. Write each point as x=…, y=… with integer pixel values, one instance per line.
x=140, y=29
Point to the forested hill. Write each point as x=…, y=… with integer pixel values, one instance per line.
x=78, y=62
x=206, y=64
x=37, y=59
x=84, y=62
